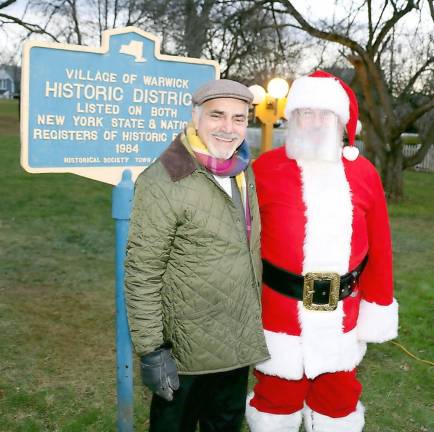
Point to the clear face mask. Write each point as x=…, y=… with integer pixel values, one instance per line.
x=314, y=134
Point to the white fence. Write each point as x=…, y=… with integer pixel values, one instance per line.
x=254, y=140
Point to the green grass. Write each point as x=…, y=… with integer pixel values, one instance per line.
x=57, y=367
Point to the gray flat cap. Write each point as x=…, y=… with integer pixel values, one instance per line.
x=222, y=88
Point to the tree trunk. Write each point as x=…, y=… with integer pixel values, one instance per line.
x=371, y=144
x=196, y=26
x=392, y=173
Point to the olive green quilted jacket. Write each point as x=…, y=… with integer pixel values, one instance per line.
x=192, y=279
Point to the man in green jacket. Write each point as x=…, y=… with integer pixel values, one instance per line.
x=193, y=269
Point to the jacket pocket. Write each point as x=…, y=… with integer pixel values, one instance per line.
x=202, y=341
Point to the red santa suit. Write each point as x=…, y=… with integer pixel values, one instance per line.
x=320, y=216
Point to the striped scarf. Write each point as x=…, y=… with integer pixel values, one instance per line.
x=232, y=167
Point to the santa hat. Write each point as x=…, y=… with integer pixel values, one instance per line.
x=321, y=90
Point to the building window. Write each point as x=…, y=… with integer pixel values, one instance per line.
x=2, y=84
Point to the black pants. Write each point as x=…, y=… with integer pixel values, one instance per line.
x=216, y=401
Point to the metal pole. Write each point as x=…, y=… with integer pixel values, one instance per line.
x=266, y=137
x=121, y=209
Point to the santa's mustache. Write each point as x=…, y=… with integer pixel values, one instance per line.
x=226, y=136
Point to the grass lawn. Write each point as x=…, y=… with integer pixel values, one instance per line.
x=57, y=368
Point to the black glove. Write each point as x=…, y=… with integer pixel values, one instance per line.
x=159, y=374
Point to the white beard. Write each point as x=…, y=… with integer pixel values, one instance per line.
x=322, y=143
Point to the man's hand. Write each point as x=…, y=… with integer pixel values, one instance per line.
x=159, y=374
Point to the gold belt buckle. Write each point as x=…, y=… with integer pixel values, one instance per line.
x=309, y=290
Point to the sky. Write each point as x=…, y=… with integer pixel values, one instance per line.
x=312, y=8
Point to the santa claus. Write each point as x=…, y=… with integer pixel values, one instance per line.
x=327, y=282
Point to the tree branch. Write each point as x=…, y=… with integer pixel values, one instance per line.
x=372, y=69
x=73, y=6
x=425, y=129
x=413, y=79
x=372, y=110
x=411, y=117
x=380, y=17
x=397, y=15
x=313, y=31
x=370, y=28
x=32, y=28
x=6, y=3
x=115, y=13
x=431, y=8
x=282, y=48
x=383, y=47
x=419, y=156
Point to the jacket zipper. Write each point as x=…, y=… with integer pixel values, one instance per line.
x=227, y=197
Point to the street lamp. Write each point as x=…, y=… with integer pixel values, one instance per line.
x=269, y=107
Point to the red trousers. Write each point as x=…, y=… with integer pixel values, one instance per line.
x=332, y=394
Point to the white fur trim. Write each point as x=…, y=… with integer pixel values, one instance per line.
x=259, y=421
x=291, y=356
x=327, y=247
x=286, y=356
x=318, y=93
x=326, y=348
x=377, y=323
x=316, y=422
x=329, y=216
x=350, y=152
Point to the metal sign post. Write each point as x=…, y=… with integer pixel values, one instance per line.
x=106, y=113
x=121, y=209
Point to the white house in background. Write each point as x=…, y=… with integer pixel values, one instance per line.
x=7, y=85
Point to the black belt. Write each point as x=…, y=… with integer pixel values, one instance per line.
x=319, y=291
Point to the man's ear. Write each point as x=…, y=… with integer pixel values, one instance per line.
x=195, y=116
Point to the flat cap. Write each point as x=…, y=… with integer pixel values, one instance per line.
x=222, y=88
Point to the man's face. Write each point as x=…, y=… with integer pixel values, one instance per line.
x=314, y=119
x=314, y=134
x=221, y=125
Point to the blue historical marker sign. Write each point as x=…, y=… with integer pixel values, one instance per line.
x=96, y=111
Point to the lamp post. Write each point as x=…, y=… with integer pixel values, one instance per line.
x=269, y=107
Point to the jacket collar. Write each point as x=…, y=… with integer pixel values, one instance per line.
x=177, y=160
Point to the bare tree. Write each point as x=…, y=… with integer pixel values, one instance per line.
x=183, y=24
x=75, y=21
x=240, y=38
x=6, y=20
x=196, y=24
x=245, y=45
x=395, y=89
x=108, y=14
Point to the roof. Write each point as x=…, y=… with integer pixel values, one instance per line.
x=5, y=75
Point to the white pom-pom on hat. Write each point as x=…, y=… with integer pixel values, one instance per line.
x=350, y=152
